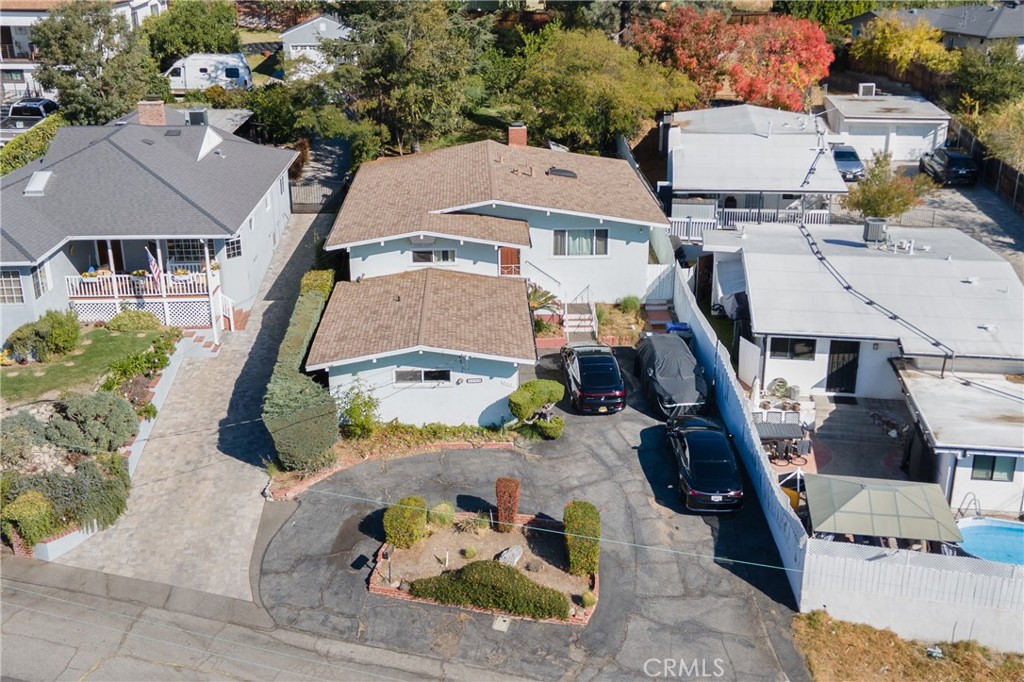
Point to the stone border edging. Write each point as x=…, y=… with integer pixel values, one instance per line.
x=305, y=484
x=378, y=583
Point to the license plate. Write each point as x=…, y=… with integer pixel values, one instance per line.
x=716, y=498
x=602, y=409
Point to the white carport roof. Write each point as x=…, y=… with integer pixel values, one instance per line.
x=953, y=291
x=751, y=163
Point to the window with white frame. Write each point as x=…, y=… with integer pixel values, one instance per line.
x=792, y=349
x=280, y=185
x=992, y=468
x=40, y=280
x=266, y=202
x=10, y=287
x=423, y=376
x=437, y=257
x=581, y=242
x=233, y=247
x=187, y=250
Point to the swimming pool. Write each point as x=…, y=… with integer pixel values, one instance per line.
x=994, y=539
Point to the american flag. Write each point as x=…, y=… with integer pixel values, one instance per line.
x=154, y=267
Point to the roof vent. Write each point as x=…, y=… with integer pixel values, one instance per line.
x=970, y=280
x=148, y=141
x=561, y=172
x=866, y=90
x=37, y=183
x=173, y=132
x=987, y=327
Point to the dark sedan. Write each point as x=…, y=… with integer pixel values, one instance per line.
x=593, y=378
x=709, y=475
x=950, y=167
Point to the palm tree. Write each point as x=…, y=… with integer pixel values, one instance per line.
x=541, y=298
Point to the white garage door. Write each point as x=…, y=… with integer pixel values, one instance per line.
x=867, y=138
x=913, y=140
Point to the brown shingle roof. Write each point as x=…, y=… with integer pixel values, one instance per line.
x=389, y=197
x=433, y=307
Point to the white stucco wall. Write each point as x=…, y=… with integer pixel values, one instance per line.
x=477, y=395
x=875, y=377
x=907, y=141
x=623, y=272
x=993, y=496
x=58, y=266
x=374, y=260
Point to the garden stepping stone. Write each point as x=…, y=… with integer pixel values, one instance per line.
x=510, y=556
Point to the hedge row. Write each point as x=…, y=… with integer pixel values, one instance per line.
x=405, y=522
x=490, y=585
x=29, y=146
x=299, y=413
x=53, y=334
x=582, y=537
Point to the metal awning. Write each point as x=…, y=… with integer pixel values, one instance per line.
x=880, y=508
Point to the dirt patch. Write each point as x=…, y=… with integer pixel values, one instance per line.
x=1015, y=378
x=836, y=650
x=544, y=551
x=627, y=326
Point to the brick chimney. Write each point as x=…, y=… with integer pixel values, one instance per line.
x=152, y=113
x=517, y=135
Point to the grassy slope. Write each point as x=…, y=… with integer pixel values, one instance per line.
x=19, y=383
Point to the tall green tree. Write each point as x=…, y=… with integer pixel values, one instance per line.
x=992, y=77
x=96, y=63
x=190, y=26
x=582, y=89
x=830, y=15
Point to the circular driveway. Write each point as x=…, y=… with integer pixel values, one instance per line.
x=664, y=597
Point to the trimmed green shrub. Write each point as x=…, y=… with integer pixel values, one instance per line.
x=31, y=514
x=318, y=280
x=588, y=599
x=405, y=522
x=100, y=422
x=506, y=492
x=629, y=304
x=22, y=340
x=97, y=492
x=582, y=537
x=469, y=553
x=359, y=410
x=549, y=430
x=62, y=330
x=29, y=146
x=133, y=321
x=299, y=413
x=146, y=363
x=490, y=585
x=441, y=515
x=526, y=400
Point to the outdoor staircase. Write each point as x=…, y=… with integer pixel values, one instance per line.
x=579, y=319
x=659, y=314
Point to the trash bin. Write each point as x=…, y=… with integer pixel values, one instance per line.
x=677, y=327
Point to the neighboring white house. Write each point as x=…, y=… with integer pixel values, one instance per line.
x=747, y=164
x=18, y=55
x=932, y=315
x=578, y=226
x=907, y=126
x=301, y=44
x=432, y=345
x=967, y=26
x=78, y=221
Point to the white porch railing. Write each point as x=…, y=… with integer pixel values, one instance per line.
x=129, y=286
x=692, y=229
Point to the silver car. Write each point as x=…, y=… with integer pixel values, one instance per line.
x=848, y=162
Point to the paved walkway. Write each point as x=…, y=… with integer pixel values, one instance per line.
x=195, y=506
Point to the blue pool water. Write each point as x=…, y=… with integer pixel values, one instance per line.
x=994, y=539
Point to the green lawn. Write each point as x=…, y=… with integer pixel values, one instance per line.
x=264, y=68
x=248, y=37
x=723, y=327
x=97, y=349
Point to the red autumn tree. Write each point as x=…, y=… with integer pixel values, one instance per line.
x=695, y=42
x=777, y=59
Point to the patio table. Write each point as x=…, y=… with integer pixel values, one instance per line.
x=779, y=431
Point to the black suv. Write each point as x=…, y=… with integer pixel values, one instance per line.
x=709, y=475
x=950, y=166
x=593, y=378
x=33, y=107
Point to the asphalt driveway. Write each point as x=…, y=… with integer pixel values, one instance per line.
x=668, y=592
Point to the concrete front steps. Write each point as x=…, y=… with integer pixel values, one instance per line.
x=659, y=314
x=579, y=319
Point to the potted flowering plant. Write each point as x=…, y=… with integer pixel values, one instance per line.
x=181, y=275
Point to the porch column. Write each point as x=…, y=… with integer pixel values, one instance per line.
x=760, y=206
x=163, y=282
x=214, y=322
x=113, y=274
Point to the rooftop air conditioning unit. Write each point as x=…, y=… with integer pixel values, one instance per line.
x=866, y=90
x=197, y=117
x=875, y=229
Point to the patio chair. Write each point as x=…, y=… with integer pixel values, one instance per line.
x=773, y=417
x=791, y=418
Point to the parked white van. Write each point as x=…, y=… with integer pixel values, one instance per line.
x=200, y=71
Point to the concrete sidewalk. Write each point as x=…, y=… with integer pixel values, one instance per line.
x=195, y=504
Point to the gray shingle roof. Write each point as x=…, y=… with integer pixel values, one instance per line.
x=134, y=181
x=990, y=21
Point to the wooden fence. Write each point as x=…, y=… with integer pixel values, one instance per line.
x=1002, y=178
